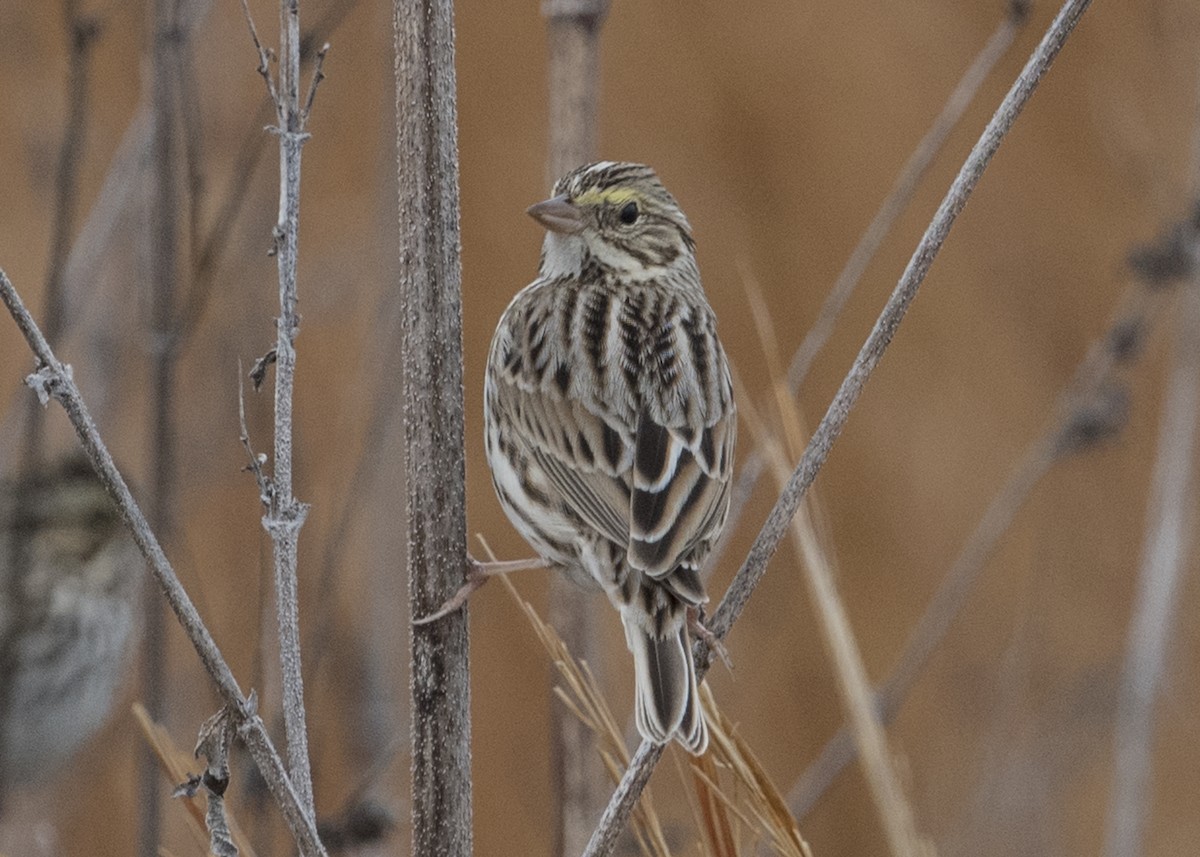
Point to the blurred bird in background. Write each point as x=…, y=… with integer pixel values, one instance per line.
x=69, y=580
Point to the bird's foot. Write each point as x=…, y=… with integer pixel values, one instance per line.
x=695, y=620
x=478, y=574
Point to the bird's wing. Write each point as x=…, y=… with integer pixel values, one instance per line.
x=680, y=496
x=585, y=457
x=650, y=473
x=683, y=456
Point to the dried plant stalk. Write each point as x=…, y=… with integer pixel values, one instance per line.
x=431, y=321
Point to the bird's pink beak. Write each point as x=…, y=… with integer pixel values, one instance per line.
x=558, y=214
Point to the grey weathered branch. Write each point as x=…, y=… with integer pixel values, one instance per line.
x=285, y=514
x=53, y=379
x=431, y=318
x=817, y=451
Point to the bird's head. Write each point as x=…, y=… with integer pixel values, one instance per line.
x=620, y=215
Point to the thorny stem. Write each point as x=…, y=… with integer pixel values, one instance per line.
x=617, y=812
x=54, y=380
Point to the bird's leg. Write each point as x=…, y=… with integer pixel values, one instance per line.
x=478, y=574
x=695, y=621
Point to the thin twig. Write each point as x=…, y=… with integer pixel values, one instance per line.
x=207, y=250
x=432, y=370
x=54, y=380
x=285, y=517
x=318, y=75
x=264, y=57
x=174, y=764
x=903, y=189
x=1169, y=522
x=256, y=459
x=777, y=523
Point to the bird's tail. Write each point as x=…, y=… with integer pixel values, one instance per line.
x=668, y=701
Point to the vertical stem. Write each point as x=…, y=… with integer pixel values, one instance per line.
x=431, y=354
x=1169, y=521
x=573, y=32
x=164, y=271
x=286, y=516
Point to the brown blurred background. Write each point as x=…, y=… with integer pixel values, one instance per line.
x=779, y=127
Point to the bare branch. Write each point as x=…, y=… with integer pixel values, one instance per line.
x=777, y=523
x=286, y=515
x=264, y=59
x=52, y=379
x=318, y=75
x=431, y=317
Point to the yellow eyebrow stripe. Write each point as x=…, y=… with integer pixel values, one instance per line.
x=612, y=196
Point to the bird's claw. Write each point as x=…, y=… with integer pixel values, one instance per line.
x=701, y=632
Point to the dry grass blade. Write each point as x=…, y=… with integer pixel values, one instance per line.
x=583, y=697
x=175, y=764
x=763, y=809
x=895, y=814
x=760, y=805
x=894, y=811
x=712, y=812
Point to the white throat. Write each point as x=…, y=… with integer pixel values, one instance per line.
x=562, y=255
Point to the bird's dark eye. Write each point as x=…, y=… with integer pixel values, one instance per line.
x=629, y=213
